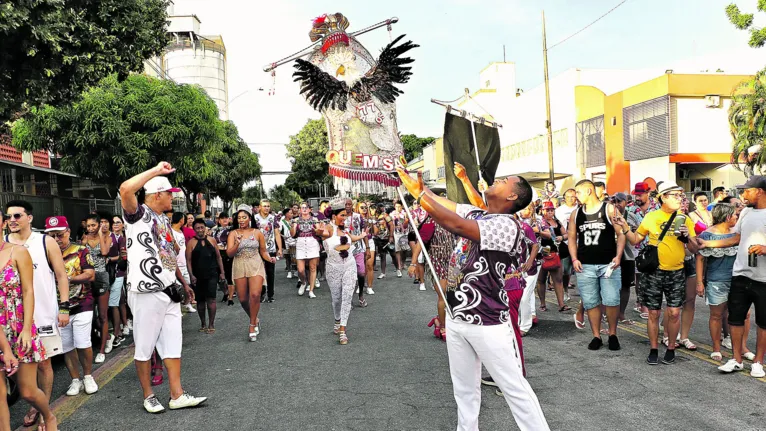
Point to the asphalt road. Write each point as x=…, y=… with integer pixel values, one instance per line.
x=393, y=375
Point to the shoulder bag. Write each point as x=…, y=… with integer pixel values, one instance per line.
x=649, y=260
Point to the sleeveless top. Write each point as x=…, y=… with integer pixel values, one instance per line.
x=248, y=247
x=99, y=261
x=46, y=300
x=596, y=244
x=333, y=256
x=204, y=260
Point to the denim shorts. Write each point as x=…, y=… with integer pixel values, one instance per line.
x=595, y=289
x=717, y=292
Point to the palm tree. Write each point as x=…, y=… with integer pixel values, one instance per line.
x=747, y=120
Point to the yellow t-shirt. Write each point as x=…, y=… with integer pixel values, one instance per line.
x=672, y=251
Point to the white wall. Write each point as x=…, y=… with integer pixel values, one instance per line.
x=183, y=24
x=699, y=129
x=658, y=168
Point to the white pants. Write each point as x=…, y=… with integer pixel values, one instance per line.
x=527, y=306
x=469, y=346
x=156, y=323
x=76, y=334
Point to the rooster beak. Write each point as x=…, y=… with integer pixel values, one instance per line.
x=341, y=71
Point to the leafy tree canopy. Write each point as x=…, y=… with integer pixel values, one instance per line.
x=55, y=49
x=281, y=197
x=308, y=149
x=747, y=120
x=118, y=129
x=413, y=146
x=744, y=21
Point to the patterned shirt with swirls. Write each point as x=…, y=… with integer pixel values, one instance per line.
x=151, y=252
x=481, y=274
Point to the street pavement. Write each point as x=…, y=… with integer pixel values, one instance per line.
x=394, y=375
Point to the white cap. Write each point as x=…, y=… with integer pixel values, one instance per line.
x=159, y=184
x=667, y=186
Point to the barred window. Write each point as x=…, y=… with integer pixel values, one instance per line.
x=646, y=131
x=591, y=151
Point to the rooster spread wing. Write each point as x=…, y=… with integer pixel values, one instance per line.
x=320, y=89
x=391, y=69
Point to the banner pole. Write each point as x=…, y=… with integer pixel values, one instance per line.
x=478, y=163
x=434, y=278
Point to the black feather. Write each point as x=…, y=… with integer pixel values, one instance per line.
x=321, y=90
x=390, y=70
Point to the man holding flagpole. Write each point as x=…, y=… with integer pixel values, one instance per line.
x=484, y=276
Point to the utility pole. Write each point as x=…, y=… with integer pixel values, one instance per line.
x=547, y=104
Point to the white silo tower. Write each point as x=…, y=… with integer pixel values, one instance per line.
x=191, y=58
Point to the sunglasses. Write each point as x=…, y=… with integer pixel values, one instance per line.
x=16, y=216
x=57, y=235
x=362, y=208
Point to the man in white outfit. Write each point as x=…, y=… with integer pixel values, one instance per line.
x=154, y=294
x=484, y=290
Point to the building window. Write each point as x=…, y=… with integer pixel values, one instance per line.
x=646, y=132
x=440, y=172
x=701, y=185
x=426, y=175
x=591, y=151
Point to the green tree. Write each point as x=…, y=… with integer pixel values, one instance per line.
x=118, y=129
x=308, y=149
x=744, y=21
x=281, y=196
x=55, y=49
x=747, y=120
x=413, y=146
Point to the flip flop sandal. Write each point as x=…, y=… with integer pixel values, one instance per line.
x=627, y=322
x=603, y=331
x=210, y=330
x=565, y=308
x=578, y=324
x=543, y=308
x=644, y=316
x=30, y=420
x=203, y=329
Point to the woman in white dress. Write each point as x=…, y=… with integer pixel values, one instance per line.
x=341, y=268
x=304, y=227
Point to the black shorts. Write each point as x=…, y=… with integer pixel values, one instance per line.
x=671, y=284
x=227, y=261
x=690, y=268
x=205, y=288
x=744, y=293
x=411, y=237
x=100, y=285
x=627, y=273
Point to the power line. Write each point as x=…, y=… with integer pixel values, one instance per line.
x=586, y=27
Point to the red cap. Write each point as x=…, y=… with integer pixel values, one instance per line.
x=548, y=205
x=641, y=188
x=56, y=223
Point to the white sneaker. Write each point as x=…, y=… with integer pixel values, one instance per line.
x=301, y=289
x=152, y=404
x=311, y=295
x=317, y=283
x=422, y=286
x=756, y=370
x=125, y=330
x=749, y=356
x=186, y=400
x=382, y=276
x=74, y=388
x=726, y=342
x=370, y=291
x=109, y=344
x=130, y=324
x=731, y=366
x=190, y=308
x=90, y=385
x=566, y=297
x=289, y=275
x=100, y=358
x=398, y=273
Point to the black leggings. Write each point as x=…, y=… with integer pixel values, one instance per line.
x=269, y=267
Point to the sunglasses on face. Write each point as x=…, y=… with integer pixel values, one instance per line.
x=57, y=235
x=362, y=208
x=16, y=216
x=675, y=195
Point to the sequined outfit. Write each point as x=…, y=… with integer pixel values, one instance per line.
x=248, y=261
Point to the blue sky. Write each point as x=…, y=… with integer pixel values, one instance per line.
x=458, y=38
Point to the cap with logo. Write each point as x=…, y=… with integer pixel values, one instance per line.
x=56, y=223
x=158, y=185
x=641, y=188
x=548, y=205
x=754, y=182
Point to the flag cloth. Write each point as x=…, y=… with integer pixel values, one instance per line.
x=458, y=147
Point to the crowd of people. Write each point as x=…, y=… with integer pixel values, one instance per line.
x=82, y=293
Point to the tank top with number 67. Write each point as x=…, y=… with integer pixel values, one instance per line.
x=596, y=243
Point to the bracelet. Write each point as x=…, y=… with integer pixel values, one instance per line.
x=625, y=232
x=420, y=196
x=64, y=311
x=64, y=304
x=412, y=264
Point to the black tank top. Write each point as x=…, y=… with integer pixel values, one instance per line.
x=204, y=262
x=596, y=243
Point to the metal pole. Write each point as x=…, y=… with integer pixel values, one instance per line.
x=547, y=105
x=434, y=278
x=478, y=162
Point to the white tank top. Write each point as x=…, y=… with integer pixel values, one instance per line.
x=46, y=301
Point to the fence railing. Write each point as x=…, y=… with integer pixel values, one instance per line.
x=74, y=209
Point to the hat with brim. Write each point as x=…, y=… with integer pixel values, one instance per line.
x=754, y=182
x=667, y=186
x=640, y=188
x=158, y=185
